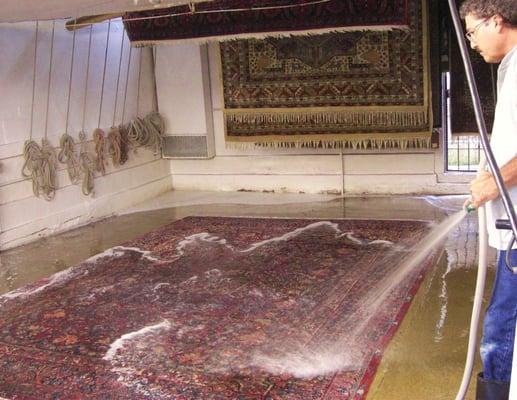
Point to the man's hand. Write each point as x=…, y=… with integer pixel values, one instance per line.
x=483, y=189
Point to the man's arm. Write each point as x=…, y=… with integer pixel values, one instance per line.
x=484, y=188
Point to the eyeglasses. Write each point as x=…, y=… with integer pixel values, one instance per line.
x=470, y=34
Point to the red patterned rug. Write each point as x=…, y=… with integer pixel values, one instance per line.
x=230, y=18
x=214, y=308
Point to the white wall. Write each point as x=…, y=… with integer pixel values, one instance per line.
x=23, y=216
x=190, y=98
x=292, y=170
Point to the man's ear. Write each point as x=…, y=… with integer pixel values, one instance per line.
x=499, y=22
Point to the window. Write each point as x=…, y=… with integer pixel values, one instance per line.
x=462, y=150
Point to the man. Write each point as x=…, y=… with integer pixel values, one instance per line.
x=491, y=28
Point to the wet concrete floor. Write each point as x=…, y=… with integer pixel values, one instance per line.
x=426, y=357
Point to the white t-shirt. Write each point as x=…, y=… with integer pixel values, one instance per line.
x=504, y=143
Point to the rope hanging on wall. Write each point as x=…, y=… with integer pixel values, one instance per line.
x=114, y=145
x=148, y=131
x=87, y=165
x=131, y=130
x=100, y=150
x=40, y=162
x=31, y=166
x=127, y=82
x=98, y=133
x=67, y=154
x=32, y=150
x=49, y=168
x=86, y=161
x=48, y=154
x=124, y=127
x=114, y=136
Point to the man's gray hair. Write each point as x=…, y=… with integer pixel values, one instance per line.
x=507, y=9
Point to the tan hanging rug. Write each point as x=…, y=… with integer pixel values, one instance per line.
x=358, y=89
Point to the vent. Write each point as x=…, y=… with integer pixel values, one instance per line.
x=186, y=147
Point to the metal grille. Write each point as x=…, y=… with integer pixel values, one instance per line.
x=185, y=147
x=463, y=153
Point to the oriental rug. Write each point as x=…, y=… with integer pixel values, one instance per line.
x=222, y=19
x=364, y=89
x=214, y=308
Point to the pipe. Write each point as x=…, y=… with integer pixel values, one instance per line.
x=478, y=298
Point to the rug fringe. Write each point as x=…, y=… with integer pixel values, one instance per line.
x=354, y=144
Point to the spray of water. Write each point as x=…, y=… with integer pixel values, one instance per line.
x=330, y=354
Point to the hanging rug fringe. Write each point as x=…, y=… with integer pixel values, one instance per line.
x=351, y=142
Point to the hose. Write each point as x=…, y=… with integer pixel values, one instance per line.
x=478, y=298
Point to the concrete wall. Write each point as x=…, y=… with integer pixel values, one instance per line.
x=293, y=170
x=24, y=217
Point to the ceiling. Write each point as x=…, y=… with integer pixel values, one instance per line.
x=30, y=10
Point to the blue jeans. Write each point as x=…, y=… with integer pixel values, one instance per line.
x=499, y=323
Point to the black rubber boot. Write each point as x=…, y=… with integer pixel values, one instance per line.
x=491, y=390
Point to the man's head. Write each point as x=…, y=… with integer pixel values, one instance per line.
x=491, y=27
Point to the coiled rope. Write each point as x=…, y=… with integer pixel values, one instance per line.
x=32, y=165
x=114, y=145
x=124, y=144
x=48, y=156
x=48, y=170
x=86, y=161
x=98, y=134
x=68, y=156
x=148, y=131
x=132, y=134
x=87, y=165
x=32, y=150
x=100, y=150
x=40, y=166
x=114, y=136
x=40, y=162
